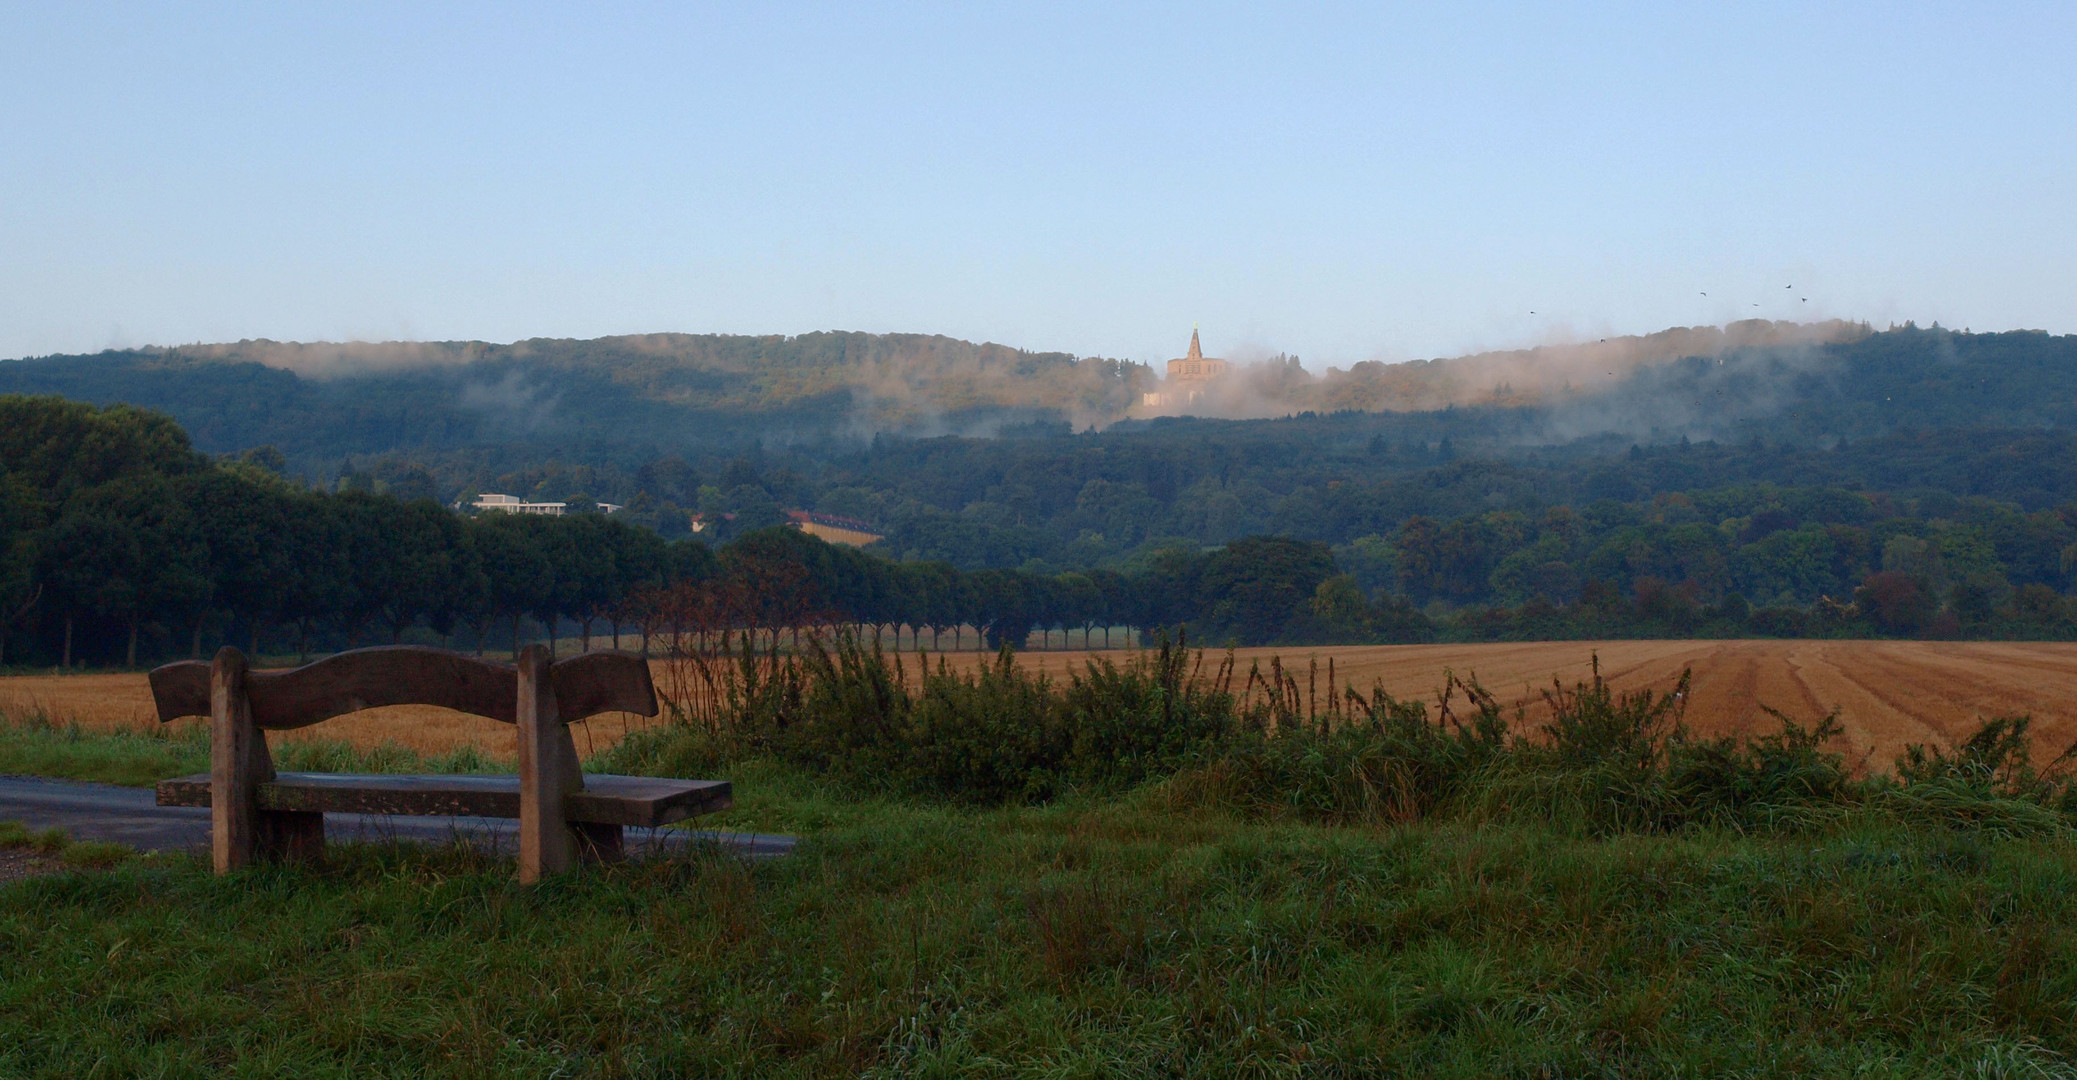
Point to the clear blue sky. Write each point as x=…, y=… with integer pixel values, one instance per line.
x=1343, y=182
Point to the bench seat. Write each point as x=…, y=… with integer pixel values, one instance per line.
x=606, y=799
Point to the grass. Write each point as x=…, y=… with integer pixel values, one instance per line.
x=1390, y=896
x=80, y=854
x=36, y=744
x=33, y=743
x=1110, y=938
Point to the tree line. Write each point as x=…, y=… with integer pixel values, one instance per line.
x=120, y=543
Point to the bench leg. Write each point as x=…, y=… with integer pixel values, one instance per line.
x=238, y=765
x=597, y=842
x=547, y=772
x=290, y=835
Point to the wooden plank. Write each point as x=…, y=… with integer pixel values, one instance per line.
x=608, y=680
x=585, y=685
x=181, y=689
x=646, y=802
x=387, y=675
x=606, y=799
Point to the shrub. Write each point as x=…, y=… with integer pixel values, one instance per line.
x=1764, y=780
x=1996, y=760
x=1610, y=762
x=990, y=737
x=1988, y=782
x=1605, y=762
x=1599, y=764
x=999, y=734
x=1384, y=762
x=1124, y=725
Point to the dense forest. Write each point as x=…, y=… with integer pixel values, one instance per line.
x=468, y=407
x=119, y=542
x=617, y=401
x=1913, y=482
x=750, y=426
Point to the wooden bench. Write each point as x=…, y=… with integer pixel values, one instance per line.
x=564, y=815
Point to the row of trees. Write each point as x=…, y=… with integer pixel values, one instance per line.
x=1771, y=546
x=119, y=540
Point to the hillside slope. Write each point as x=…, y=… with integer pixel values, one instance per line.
x=906, y=432
x=624, y=399
x=609, y=398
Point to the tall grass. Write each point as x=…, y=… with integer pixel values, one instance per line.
x=34, y=742
x=1271, y=743
x=1374, y=758
x=1276, y=746
x=845, y=709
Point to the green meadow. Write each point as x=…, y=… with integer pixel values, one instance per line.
x=1140, y=871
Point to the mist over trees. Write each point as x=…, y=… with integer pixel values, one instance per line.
x=621, y=400
x=475, y=414
x=1915, y=482
x=1903, y=411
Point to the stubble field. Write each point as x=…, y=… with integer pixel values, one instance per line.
x=1889, y=693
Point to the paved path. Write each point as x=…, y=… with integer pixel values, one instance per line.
x=132, y=816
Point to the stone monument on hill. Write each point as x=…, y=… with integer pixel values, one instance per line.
x=1188, y=376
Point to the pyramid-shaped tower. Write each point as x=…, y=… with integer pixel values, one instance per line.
x=1194, y=365
x=1188, y=376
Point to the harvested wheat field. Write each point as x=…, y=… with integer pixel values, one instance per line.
x=1889, y=693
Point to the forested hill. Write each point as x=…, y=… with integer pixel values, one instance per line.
x=1915, y=481
x=625, y=400
x=776, y=424
x=618, y=399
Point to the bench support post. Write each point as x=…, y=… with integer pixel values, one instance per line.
x=238, y=765
x=241, y=833
x=548, y=771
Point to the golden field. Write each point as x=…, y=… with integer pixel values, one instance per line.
x=1889, y=693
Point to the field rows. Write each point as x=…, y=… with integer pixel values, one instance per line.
x=1889, y=693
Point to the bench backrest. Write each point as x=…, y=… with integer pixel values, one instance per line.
x=585, y=685
x=539, y=696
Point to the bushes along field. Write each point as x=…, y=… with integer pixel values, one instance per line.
x=1271, y=744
